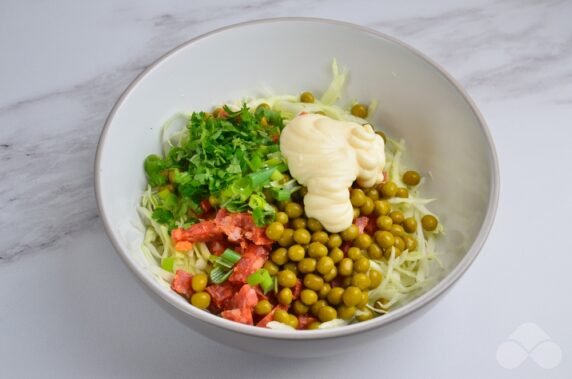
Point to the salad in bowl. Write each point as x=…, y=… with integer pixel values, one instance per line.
x=288, y=212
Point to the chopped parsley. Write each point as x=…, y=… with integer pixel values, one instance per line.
x=232, y=158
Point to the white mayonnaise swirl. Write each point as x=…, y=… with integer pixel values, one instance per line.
x=327, y=156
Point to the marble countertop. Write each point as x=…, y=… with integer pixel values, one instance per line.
x=70, y=308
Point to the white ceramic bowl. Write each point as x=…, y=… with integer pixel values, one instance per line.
x=418, y=101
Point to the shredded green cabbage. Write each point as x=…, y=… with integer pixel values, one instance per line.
x=404, y=276
x=290, y=105
x=334, y=91
x=279, y=326
x=335, y=323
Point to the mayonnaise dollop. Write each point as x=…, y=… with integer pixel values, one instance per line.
x=327, y=156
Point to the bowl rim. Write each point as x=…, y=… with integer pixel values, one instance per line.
x=445, y=283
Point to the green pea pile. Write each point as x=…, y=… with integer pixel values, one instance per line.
x=336, y=284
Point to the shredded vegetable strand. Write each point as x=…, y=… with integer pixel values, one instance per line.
x=408, y=273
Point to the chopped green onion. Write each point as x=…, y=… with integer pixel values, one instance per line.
x=292, y=186
x=282, y=167
x=223, y=265
x=258, y=179
x=280, y=194
x=254, y=279
x=163, y=194
x=276, y=176
x=167, y=263
x=154, y=166
x=218, y=275
x=274, y=161
x=267, y=284
x=257, y=201
x=255, y=163
x=262, y=278
x=230, y=256
x=262, y=212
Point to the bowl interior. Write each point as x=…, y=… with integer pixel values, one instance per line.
x=417, y=102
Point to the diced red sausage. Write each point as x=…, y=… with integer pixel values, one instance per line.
x=260, y=294
x=201, y=232
x=206, y=206
x=371, y=226
x=258, y=236
x=217, y=247
x=305, y=321
x=242, y=315
x=297, y=289
x=270, y=316
x=253, y=258
x=221, y=295
x=239, y=226
x=245, y=298
x=361, y=223
x=182, y=283
x=276, y=137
